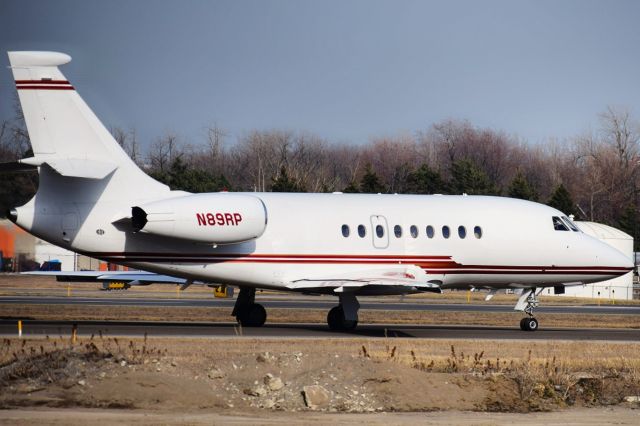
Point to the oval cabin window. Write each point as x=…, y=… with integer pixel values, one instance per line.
x=477, y=231
x=430, y=231
x=345, y=231
x=446, y=232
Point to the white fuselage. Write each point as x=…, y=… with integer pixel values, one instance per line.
x=517, y=245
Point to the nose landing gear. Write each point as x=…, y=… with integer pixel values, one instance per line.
x=527, y=302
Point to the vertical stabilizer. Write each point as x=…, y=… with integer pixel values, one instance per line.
x=65, y=134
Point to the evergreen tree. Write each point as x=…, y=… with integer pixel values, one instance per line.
x=352, y=188
x=181, y=177
x=370, y=183
x=468, y=178
x=561, y=200
x=425, y=180
x=629, y=222
x=283, y=183
x=520, y=188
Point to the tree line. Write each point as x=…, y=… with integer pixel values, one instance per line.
x=593, y=176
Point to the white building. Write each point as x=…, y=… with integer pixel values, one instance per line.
x=620, y=288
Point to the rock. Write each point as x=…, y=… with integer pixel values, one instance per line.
x=102, y=375
x=215, y=373
x=82, y=382
x=273, y=383
x=28, y=388
x=256, y=391
x=315, y=396
x=632, y=398
x=269, y=403
x=123, y=363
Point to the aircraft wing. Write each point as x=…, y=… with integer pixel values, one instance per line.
x=130, y=277
x=397, y=276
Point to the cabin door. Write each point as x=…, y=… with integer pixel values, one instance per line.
x=379, y=231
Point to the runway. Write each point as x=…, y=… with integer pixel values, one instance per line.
x=307, y=303
x=33, y=328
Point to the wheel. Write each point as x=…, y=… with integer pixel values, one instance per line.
x=254, y=316
x=523, y=326
x=336, y=320
x=531, y=324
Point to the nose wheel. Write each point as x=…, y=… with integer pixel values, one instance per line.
x=527, y=302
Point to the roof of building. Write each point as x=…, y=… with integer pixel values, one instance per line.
x=602, y=231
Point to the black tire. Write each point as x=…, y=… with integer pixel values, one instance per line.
x=523, y=325
x=532, y=324
x=337, y=322
x=335, y=318
x=254, y=316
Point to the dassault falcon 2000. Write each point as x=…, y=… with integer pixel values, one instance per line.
x=94, y=200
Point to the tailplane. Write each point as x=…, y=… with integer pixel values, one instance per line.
x=65, y=134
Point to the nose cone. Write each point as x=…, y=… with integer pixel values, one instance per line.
x=614, y=260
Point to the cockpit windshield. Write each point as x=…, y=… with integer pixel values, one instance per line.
x=559, y=225
x=569, y=222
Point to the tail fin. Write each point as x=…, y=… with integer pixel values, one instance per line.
x=65, y=134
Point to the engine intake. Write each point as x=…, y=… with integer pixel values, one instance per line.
x=220, y=218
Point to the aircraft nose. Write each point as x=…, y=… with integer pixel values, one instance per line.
x=614, y=258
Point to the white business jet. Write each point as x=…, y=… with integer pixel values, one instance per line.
x=93, y=199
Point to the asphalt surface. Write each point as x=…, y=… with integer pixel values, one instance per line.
x=8, y=328
x=307, y=303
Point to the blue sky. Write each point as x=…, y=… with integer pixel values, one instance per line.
x=344, y=70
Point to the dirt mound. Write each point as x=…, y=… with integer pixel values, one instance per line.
x=107, y=373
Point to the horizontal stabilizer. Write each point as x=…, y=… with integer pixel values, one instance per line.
x=16, y=167
x=70, y=167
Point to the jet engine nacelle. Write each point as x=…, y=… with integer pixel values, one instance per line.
x=222, y=218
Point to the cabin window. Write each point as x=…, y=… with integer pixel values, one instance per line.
x=572, y=225
x=345, y=231
x=414, y=231
x=397, y=231
x=477, y=231
x=362, y=231
x=430, y=231
x=462, y=232
x=379, y=231
x=558, y=224
x=446, y=232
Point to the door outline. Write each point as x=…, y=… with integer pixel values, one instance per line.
x=379, y=243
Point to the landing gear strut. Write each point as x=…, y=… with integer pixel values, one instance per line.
x=344, y=317
x=247, y=312
x=527, y=302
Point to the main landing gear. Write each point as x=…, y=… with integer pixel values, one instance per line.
x=527, y=302
x=344, y=317
x=247, y=312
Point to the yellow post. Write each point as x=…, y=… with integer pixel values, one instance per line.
x=613, y=298
x=20, y=329
x=469, y=296
x=177, y=291
x=74, y=333
x=68, y=289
